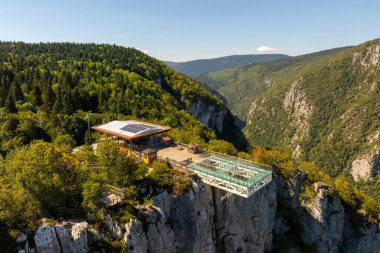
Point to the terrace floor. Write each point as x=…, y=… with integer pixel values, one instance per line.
x=179, y=154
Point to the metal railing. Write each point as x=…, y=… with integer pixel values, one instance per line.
x=112, y=189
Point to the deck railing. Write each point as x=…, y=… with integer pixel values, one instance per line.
x=112, y=189
x=230, y=157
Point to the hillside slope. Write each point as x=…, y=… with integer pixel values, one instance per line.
x=323, y=107
x=64, y=78
x=239, y=86
x=193, y=68
x=326, y=111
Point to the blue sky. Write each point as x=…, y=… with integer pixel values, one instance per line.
x=183, y=30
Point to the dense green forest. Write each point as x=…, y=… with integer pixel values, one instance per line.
x=46, y=88
x=340, y=99
x=47, y=91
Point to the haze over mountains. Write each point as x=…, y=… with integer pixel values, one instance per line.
x=239, y=86
x=196, y=67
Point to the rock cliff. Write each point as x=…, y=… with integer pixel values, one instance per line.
x=220, y=119
x=365, y=166
x=65, y=237
x=207, y=219
x=211, y=115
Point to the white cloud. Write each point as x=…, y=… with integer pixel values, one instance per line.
x=143, y=50
x=265, y=49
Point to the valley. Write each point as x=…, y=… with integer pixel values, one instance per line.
x=52, y=92
x=322, y=107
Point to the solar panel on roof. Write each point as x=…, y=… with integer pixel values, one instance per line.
x=136, y=128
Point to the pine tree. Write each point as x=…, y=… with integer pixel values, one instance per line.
x=37, y=101
x=48, y=98
x=57, y=108
x=10, y=104
x=16, y=92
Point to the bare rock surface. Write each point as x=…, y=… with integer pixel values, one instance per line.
x=46, y=240
x=365, y=166
x=211, y=115
x=207, y=219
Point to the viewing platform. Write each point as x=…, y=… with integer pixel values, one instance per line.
x=239, y=176
x=232, y=174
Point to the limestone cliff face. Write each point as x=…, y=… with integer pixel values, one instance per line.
x=244, y=225
x=65, y=237
x=211, y=115
x=207, y=219
x=220, y=119
x=210, y=220
x=299, y=110
x=322, y=223
x=365, y=166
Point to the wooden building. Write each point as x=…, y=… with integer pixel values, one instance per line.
x=135, y=136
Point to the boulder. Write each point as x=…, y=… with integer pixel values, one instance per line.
x=65, y=239
x=79, y=234
x=46, y=240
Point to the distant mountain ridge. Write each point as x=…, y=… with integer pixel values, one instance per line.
x=239, y=86
x=196, y=67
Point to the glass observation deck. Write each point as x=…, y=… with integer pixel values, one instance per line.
x=238, y=176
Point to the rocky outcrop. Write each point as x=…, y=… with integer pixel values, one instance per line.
x=186, y=222
x=320, y=224
x=211, y=115
x=182, y=224
x=22, y=243
x=365, y=166
x=46, y=240
x=115, y=229
x=299, y=111
x=325, y=226
x=364, y=239
x=244, y=225
x=65, y=237
x=220, y=119
x=368, y=57
x=80, y=238
x=207, y=219
x=135, y=237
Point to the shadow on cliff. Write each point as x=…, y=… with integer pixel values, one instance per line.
x=232, y=133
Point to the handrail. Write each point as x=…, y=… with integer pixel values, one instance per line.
x=266, y=166
x=114, y=190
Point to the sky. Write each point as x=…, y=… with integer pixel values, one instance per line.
x=183, y=30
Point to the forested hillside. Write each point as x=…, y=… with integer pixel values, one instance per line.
x=197, y=67
x=323, y=107
x=241, y=85
x=46, y=90
x=46, y=94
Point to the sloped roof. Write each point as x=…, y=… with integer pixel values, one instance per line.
x=130, y=129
